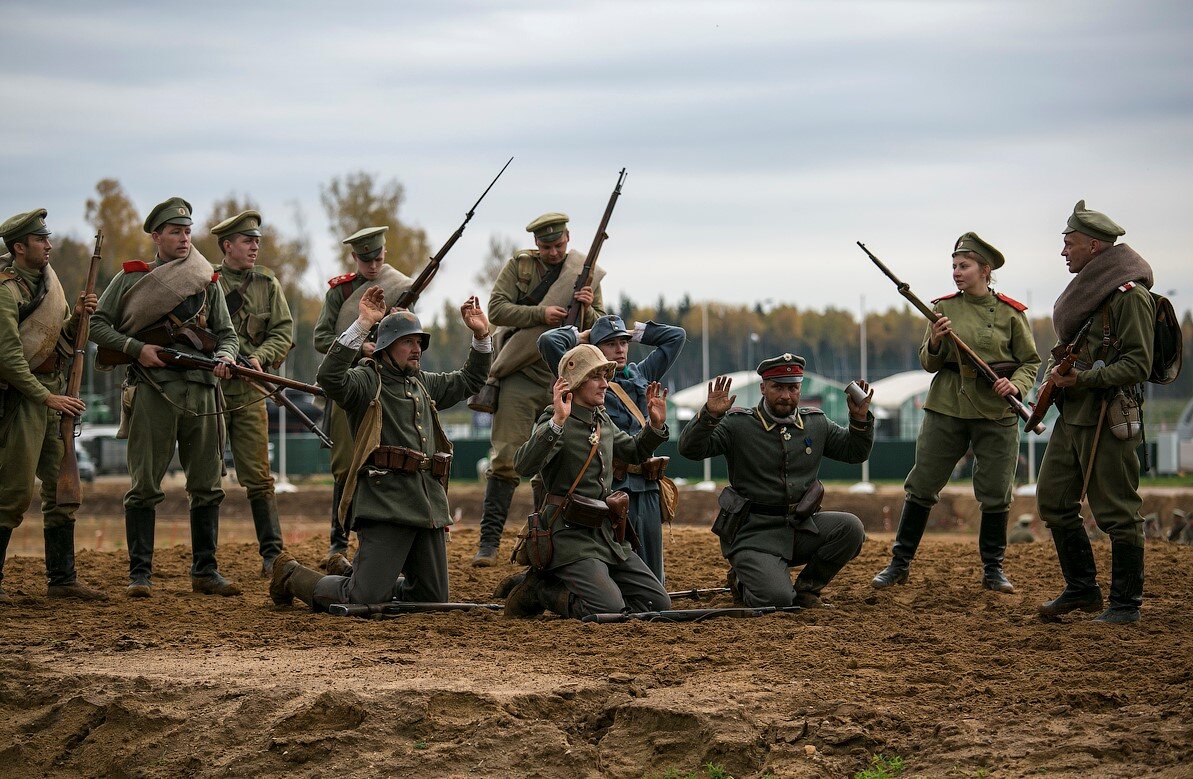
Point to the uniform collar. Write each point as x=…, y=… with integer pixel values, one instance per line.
x=583, y=413
x=30, y=277
x=770, y=421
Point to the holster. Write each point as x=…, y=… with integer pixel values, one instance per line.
x=808, y=505
x=651, y=469
x=735, y=507
x=619, y=516
x=579, y=510
x=534, y=546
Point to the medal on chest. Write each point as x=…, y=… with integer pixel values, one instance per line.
x=808, y=445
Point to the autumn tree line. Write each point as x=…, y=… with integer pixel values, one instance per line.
x=739, y=335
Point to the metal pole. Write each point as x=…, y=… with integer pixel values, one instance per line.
x=283, y=482
x=704, y=360
x=866, y=462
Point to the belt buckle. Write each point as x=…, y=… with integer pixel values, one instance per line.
x=791, y=507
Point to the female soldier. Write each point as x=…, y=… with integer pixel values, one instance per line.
x=963, y=411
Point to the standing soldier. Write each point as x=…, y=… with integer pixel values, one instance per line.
x=580, y=548
x=34, y=314
x=174, y=300
x=626, y=405
x=1085, y=455
x=265, y=328
x=339, y=311
x=962, y=412
x=531, y=293
x=770, y=517
x=400, y=462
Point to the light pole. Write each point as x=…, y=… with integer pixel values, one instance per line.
x=864, y=485
x=704, y=364
x=283, y=482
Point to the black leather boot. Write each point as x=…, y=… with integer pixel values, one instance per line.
x=538, y=592
x=1077, y=565
x=811, y=580
x=1126, y=584
x=5, y=536
x=269, y=531
x=60, y=566
x=992, y=546
x=907, y=540
x=292, y=580
x=205, y=575
x=507, y=585
x=499, y=493
x=138, y=534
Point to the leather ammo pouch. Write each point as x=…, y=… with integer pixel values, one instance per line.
x=1124, y=416
x=535, y=545
x=399, y=458
x=166, y=334
x=651, y=469
x=808, y=505
x=735, y=507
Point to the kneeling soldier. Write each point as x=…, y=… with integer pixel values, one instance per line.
x=770, y=517
x=581, y=556
x=400, y=463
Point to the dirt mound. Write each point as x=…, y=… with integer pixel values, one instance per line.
x=955, y=680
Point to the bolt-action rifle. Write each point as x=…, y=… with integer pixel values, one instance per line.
x=409, y=297
x=189, y=362
x=699, y=594
x=575, y=314
x=979, y=365
x=69, y=491
x=1066, y=358
x=397, y=608
x=688, y=615
x=279, y=397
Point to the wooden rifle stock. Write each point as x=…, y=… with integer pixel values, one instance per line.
x=979, y=365
x=1046, y=396
x=279, y=397
x=408, y=298
x=189, y=362
x=575, y=314
x=69, y=491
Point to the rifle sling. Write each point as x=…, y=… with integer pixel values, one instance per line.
x=235, y=298
x=536, y=295
x=39, y=294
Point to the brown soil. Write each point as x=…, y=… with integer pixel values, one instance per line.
x=955, y=680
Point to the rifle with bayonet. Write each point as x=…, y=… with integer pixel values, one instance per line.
x=69, y=493
x=699, y=594
x=687, y=615
x=398, y=608
x=409, y=297
x=279, y=397
x=979, y=365
x=1065, y=356
x=575, y=314
x=189, y=362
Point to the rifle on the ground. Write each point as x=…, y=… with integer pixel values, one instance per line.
x=397, y=608
x=1066, y=357
x=688, y=615
x=279, y=397
x=575, y=315
x=409, y=297
x=189, y=362
x=699, y=594
x=69, y=491
x=979, y=365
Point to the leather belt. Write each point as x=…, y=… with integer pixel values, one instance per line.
x=1003, y=370
x=772, y=510
x=52, y=364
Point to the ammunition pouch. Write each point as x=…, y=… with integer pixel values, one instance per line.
x=734, y=508
x=399, y=458
x=1124, y=415
x=166, y=334
x=651, y=469
x=579, y=510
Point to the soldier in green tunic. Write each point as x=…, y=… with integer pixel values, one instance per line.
x=963, y=411
x=398, y=473
x=178, y=296
x=582, y=560
x=517, y=301
x=1085, y=455
x=265, y=328
x=769, y=520
x=34, y=316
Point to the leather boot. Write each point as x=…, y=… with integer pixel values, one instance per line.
x=338, y=541
x=992, y=546
x=60, y=566
x=508, y=584
x=338, y=565
x=537, y=593
x=907, y=540
x=811, y=580
x=734, y=586
x=1077, y=565
x=138, y=534
x=499, y=493
x=1126, y=584
x=269, y=531
x=205, y=531
x=292, y=580
x=5, y=535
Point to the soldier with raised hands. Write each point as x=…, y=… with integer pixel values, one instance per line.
x=579, y=544
x=265, y=328
x=396, y=491
x=770, y=518
x=173, y=301
x=34, y=318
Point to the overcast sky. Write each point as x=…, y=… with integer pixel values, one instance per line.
x=762, y=138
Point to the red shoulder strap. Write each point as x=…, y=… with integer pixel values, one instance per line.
x=946, y=297
x=136, y=266
x=215, y=277
x=1010, y=301
x=338, y=280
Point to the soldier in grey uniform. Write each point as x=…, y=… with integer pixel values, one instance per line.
x=581, y=548
x=401, y=458
x=770, y=520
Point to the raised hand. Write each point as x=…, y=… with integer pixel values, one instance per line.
x=561, y=400
x=474, y=318
x=656, y=404
x=719, y=400
x=371, y=308
x=857, y=410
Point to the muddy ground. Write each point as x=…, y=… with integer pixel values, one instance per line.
x=955, y=680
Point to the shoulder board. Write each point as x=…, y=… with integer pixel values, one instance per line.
x=946, y=297
x=261, y=270
x=136, y=266
x=739, y=410
x=811, y=410
x=338, y=280
x=528, y=254
x=215, y=277
x=1130, y=285
x=1010, y=301
x=7, y=276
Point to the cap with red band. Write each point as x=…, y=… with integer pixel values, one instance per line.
x=784, y=369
